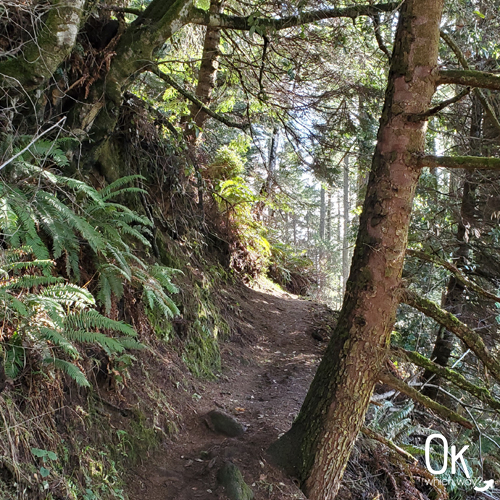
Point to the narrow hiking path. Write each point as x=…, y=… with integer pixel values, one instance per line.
x=267, y=368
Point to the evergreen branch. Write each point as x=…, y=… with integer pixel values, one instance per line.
x=442, y=411
x=215, y=20
x=170, y=81
x=453, y=376
x=471, y=339
x=455, y=271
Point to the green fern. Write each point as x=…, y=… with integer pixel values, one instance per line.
x=45, y=215
x=53, y=319
x=69, y=368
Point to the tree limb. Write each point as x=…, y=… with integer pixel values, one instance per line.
x=48, y=49
x=469, y=78
x=166, y=78
x=387, y=442
x=125, y=10
x=439, y=107
x=160, y=117
x=453, y=376
x=378, y=37
x=245, y=23
x=467, y=162
x=455, y=271
x=442, y=411
x=471, y=339
x=480, y=95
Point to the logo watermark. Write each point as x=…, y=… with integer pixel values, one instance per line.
x=455, y=458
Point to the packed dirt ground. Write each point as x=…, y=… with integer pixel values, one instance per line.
x=268, y=365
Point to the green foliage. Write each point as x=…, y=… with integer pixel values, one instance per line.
x=49, y=315
x=45, y=216
x=43, y=206
x=290, y=268
x=394, y=423
x=227, y=164
x=236, y=201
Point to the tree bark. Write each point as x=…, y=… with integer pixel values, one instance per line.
x=42, y=56
x=345, y=236
x=318, y=445
x=207, y=75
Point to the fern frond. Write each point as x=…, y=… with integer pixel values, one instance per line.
x=111, y=188
x=59, y=340
x=29, y=281
x=110, y=344
x=70, y=369
x=14, y=360
x=87, y=320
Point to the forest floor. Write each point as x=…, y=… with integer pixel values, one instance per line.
x=267, y=367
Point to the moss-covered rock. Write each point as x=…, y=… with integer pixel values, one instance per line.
x=222, y=423
x=230, y=477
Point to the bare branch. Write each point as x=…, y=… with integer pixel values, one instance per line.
x=480, y=95
x=470, y=78
x=36, y=138
x=125, y=10
x=387, y=442
x=455, y=271
x=471, y=339
x=245, y=23
x=166, y=78
x=378, y=37
x=453, y=376
x=439, y=107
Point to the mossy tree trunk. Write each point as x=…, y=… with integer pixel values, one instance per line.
x=317, y=447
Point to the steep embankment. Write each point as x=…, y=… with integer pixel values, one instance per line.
x=268, y=365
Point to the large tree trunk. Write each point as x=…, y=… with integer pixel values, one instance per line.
x=134, y=54
x=318, y=445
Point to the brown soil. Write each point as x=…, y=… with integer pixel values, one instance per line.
x=268, y=364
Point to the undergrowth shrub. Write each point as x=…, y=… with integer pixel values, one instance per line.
x=48, y=223
x=250, y=249
x=290, y=268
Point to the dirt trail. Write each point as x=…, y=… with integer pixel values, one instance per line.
x=267, y=368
